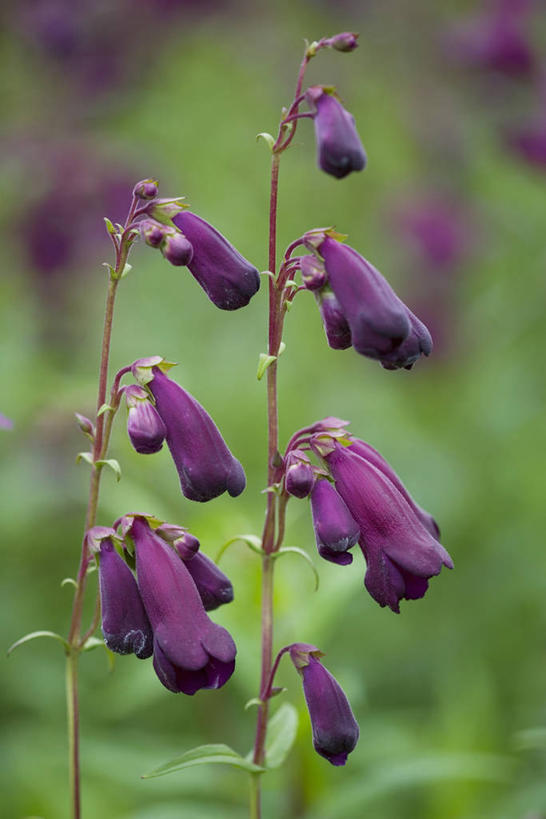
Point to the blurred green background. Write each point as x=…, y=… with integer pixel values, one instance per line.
x=450, y=694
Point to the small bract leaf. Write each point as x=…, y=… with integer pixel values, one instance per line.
x=114, y=466
x=254, y=701
x=33, y=635
x=268, y=138
x=302, y=553
x=252, y=541
x=282, y=347
x=109, y=226
x=281, y=733
x=105, y=408
x=91, y=643
x=69, y=581
x=205, y=755
x=127, y=269
x=84, y=456
x=264, y=362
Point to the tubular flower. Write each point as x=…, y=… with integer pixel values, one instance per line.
x=227, y=278
x=214, y=587
x=338, y=332
x=336, y=531
x=190, y=651
x=401, y=552
x=145, y=428
x=125, y=625
x=205, y=465
x=335, y=730
x=381, y=325
x=339, y=149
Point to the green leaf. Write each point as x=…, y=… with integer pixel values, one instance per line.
x=302, y=553
x=114, y=466
x=264, y=362
x=85, y=456
x=252, y=541
x=104, y=408
x=69, y=581
x=268, y=138
x=109, y=226
x=127, y=269
x=254, y=701
x=91, y=643
x=281, y=734
x=205, y=755
x=33, y=635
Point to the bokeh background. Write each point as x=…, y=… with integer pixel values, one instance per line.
x=450, y=101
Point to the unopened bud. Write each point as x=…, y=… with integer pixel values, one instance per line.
x=176, y=249
x=145, y=428
x=146, y=189
x=346, y=41
x=152, y=232
x=85, y=425
x=313, y=272
x=299, y=476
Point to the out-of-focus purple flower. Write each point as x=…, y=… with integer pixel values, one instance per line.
x=339, y=149
x=214, y=587
x=335, y=730
x=176, y=249
x=5, y=422
x=400, y=551
x=145, y=428
x=299, y=474
x=346, y=41
x=381, y=325
x=336, y=531
x=336, y=327
x=495, y=41
x=227, y=278
x=370, y=454
x=529, y=142
x=125, y=624
x=190, y=651
x=205, y=465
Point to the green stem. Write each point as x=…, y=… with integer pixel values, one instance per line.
x=73, y=731
x=255, y=806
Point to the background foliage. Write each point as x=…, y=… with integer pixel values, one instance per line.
x=450, y=694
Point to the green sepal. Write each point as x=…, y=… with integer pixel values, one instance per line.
x=264, y=362
x=142, y=371
x=33, y=635
x=205, y=755
x=114, y=466
x=302, y=553
x=85, y=456
x=127, y=269
x=252, y=541
x=268, y=138
x=281, y=734
x=109, y=226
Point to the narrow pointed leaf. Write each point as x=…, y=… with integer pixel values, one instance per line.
x=264, y=362
x=205, y=755
x=281, y=734
x=302, y=553
x=91, y=643
x=33, y=635
x=114, y=466
x=252, y=541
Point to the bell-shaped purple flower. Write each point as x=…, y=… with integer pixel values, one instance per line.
x=205, y=465
x=381, y=325
x=190, y=651
x=335, y=729
x=336, y=531
x=125, y=624
x=401, y=553
x=145, y=428
x=214, y=587
x=339, y=149
x=336, y=327
x=299, y=475
x=227, y=278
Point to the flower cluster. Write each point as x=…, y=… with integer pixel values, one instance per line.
x=356, y=497
x=358, y=306
x=186, y=239
x=163, y=610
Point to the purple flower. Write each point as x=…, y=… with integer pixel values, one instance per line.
x=339, y=149
x=381, y=325
x=335, y=730
x=125, y=625
x=529, y=141
x=214, y=587
x=145, y=428
x=205, y=465
x=190, y=651
x=5, y=422
x=401, y=552
x=185, y=544
x=176, y=249
x=299, y=475
x=227, y=278
x=336, y=531
x=312, y=272
x=338, y=332
x=346, y=41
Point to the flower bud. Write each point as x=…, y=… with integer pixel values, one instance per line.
x=299, y=475
x=213, y=585
x=339, y=147
x=335, y=730
x=312, y=272
x=145, y=428
x=176, y=249
x=152, y=232
x=86, y=426
x=184, y=543
x=227, y=278
x=346, y=41
x=146, y=189
x=336, y=531
x=336, y=327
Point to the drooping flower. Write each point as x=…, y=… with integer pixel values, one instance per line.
x=145, y=428
x=336, y=531
x=214, y=587
x=299, y=475
x=339, y=149
x=335, y=730
x=401, y=553
x=125, y=624
x=190, y=651
x=204, y=463
x=227, y=278
x=336, y=327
